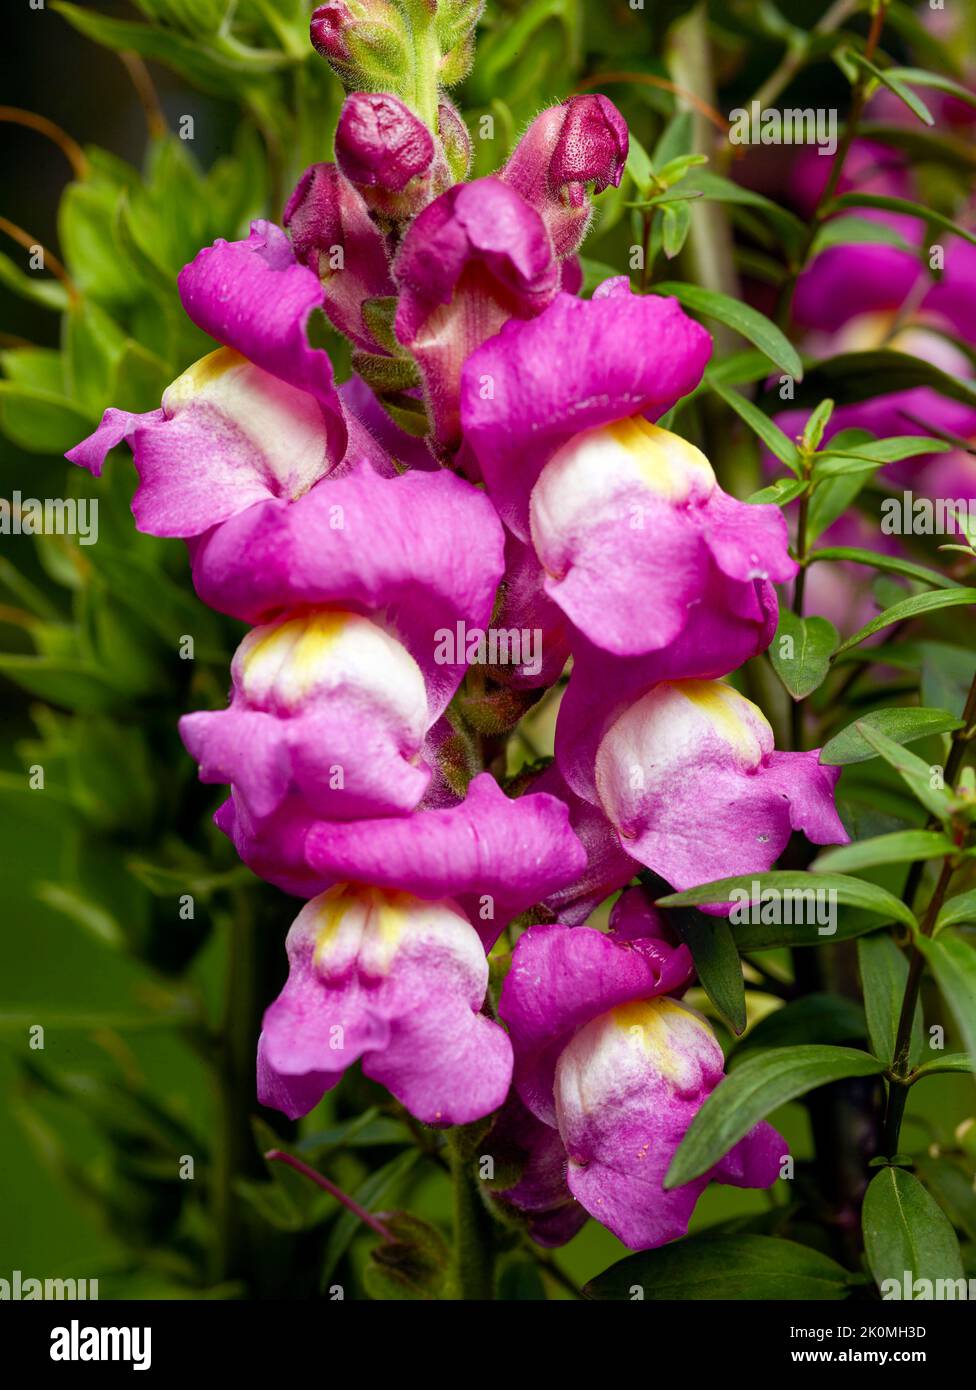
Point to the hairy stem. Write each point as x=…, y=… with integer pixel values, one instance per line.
x=473, y=1264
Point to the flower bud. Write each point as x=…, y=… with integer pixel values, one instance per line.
x=580, y=142
x=332, y=233
x=365, y=42
x=455, y=25
x=389, y=154
x=455, y=139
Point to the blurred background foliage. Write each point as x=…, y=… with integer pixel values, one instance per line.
x=149, y=1002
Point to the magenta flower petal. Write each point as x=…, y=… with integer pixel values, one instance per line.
x=254, y=296
x=730, y=624
x=550, y=1212
x=334, y=235
x=689, y=778
x=326, y=704
x=583, y=141
x=580, y=364
x=400, y=548
x=398, y=983
x=626, y=1089
x=562, y=977
x=496, y=855
x=473, y=259
x=634, y=532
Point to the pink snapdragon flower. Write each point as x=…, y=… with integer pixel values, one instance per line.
x=398, y=983
x=581, y=142
x=259, y=418
x=610, y=1060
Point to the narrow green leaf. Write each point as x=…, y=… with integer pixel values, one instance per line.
x=894, y=449
x=909, y=608
x=953, y=963
x=675, y=226
x=900, y=847
x=957, y=910
x=745, y=320
x=374, y=1190
x=816, y=1018
x=746, y=1096
x=788, y=227
x=851, y=892
x=951, y=1062
x=921, y=78
x=888, y=78
x=813, y=430
x=854, y=231
x=884, y=971
x=734, y=1267
x=769, y=432
x=890, y=564
x=782, y=492
x=713, y=949
x=906, y=1233
x=900, y=725
x=916, y=774
x=801, y=651
x=886, y=204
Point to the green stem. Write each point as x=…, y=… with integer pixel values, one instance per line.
x=472, y=1268
x=234, y=1150
x=898, y=1082
x=821, y=211
x=427, y=59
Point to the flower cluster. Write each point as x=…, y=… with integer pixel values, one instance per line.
x=494, y=465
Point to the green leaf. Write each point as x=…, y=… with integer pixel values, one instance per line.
x=909, y=608
x=790, y=229
x=906, y=1232
x=675, y=226
x=953, y=963
x=890, y=564
x=852, y=892
x=855, y=231
x=224, y=70
x=888, y=78
x=952, y=1062
x=782, y=492
x=816, y=1018
x=813, y=430
x=892, y=450
x=51, y=294
x=858, y=376
x=73, y=684
x=902, y=205
x=952, y=1189
x=369, y=1195
x=916, y=774
x=747, y=1095
x=41, y=421
x=412, y=1266
x=89, y=916
x=752, y=325
x=936, y=80
x=716, y=958
x=900, y=725
x=767, y=430
x=960, y=909
x=900, y=847
x=810, y=642
x=884, y=972
x=734, y=1267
